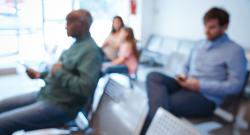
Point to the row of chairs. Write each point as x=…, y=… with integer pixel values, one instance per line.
x=168, y=56
x=123, y=111
x=113, y=96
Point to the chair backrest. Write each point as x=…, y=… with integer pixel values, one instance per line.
x=149, y=53
x=175, y=62
x=168, y=46
x=120, y=111
x=164, y=123
x=88, y=105
x=185, y=47
x=245, y=84
x=231, y=102
x=154, y=43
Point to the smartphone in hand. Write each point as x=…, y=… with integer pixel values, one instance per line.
x=181, y=77
x=24, y=65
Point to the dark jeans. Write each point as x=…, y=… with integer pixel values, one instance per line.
x=117, y=69
x=25, y=112
x=164, y=91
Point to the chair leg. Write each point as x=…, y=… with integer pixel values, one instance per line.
x=131, y=83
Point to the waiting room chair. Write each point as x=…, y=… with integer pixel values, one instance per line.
x=165, y=123
x=121, y=111
x=227, y=113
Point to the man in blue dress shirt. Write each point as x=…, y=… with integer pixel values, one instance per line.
x=215, y=69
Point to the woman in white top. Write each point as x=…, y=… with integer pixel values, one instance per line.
x=112, y=43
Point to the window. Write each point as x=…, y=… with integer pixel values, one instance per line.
x=35, y=29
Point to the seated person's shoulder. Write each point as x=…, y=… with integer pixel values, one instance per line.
x=199, y=44
x=234, y=47
x=91, y=44
x=89, y=47
x=127, y=44
x=234, y=51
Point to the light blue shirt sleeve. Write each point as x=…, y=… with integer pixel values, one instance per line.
x=187, y=63
x=236, y=66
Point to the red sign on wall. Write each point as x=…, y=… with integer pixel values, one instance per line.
x=133, y=7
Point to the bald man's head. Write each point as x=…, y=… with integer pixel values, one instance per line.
x=78, y=22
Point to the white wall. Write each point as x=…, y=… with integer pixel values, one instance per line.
x=183, y=18
x=147, y=20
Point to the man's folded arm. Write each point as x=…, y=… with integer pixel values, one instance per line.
x=82, y=83
x=236, y=69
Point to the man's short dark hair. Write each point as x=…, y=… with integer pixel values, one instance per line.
x=217, y=13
